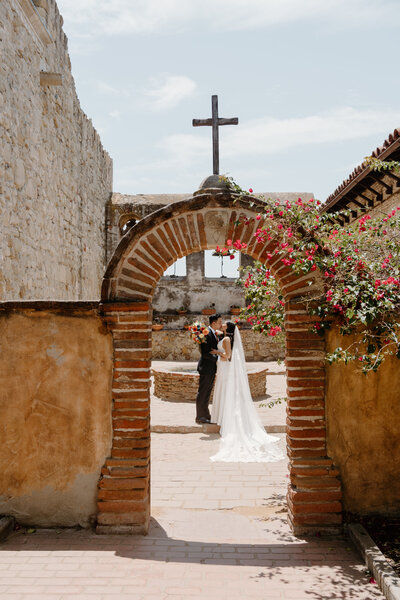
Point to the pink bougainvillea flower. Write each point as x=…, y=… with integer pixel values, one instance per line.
x=232, y=256
x=251, y=190
x=372, y=580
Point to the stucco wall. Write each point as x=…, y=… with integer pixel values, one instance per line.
x=55, y=176
x=55, y=415
x=363, y=432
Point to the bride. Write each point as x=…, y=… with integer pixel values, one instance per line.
x=243, y=437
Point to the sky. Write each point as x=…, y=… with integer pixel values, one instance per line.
x=314, y=84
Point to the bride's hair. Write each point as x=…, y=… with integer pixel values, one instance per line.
x=230, y=331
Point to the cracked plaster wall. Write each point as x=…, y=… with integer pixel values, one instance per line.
x=55, y=414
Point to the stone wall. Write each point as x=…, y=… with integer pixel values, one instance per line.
x=55, y=412
x=363, y=432
x=55, y=177
x=173, y=344
x=180, y=385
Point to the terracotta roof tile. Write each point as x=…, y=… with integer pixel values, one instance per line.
x=391, y=139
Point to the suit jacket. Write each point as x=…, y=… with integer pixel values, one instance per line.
x=208, y=362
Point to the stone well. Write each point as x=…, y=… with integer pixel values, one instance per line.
x=180, y=384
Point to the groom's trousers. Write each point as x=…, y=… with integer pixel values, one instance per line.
x=207, y=377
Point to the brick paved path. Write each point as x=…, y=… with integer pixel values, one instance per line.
x=218, y=532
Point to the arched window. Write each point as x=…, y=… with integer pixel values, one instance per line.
x=178, y=269
x=127, y=225
x=221, y=266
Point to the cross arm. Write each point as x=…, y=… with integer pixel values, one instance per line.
x=209, y=122
x=234, y=121
x=199, y=122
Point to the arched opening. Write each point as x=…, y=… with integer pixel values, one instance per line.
x=144, y=253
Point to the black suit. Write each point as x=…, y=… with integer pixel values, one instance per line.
x=207, y=367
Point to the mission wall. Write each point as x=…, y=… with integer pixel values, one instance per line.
x=55, y=176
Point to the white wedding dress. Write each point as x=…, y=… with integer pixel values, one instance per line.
x=221, y=379
x=243, y=437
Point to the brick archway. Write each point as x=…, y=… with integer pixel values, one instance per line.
x=202, y=222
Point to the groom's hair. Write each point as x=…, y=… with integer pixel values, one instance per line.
x=214, y=318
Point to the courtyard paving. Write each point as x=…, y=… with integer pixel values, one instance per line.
x=218, y=531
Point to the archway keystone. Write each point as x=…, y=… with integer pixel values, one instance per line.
x=202, y=222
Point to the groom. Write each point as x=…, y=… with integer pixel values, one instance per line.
x=207, y=367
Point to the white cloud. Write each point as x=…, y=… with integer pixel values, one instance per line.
x=167, y=91
x=115, y=114
x=106, y=88
x=116, y=17
x=268, y=136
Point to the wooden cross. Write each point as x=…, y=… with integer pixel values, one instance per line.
x=215, y=122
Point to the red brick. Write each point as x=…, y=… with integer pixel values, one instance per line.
x=305, y=382
x=127, y=506
x=304, y=364
x=296, y=496
x=306, y=393
x=305, y=403
x=322, y=507
x=173, y=238
x=306, y=443
x=143, y=267
x=309, y=471
x=130, y=284
x=149, y=256
x=121, y=472
x=303, y=453
x=116, y=414
x=130, y=423
x=116, y=462
x=136, y=276
x=131, y=404
x=306, y=433
x=317, y=519
x=118, y=453
x=306, y=423
x=314, y=483
x=140, y=434
x=161, y=250
x=131, y=443
x=179, y=236
x=165, y=240
x=305, y=373
x=122, y=494
x=185, y=233
x=305, y=412
x=109, y=483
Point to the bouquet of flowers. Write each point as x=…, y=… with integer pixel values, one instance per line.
x=198, y=332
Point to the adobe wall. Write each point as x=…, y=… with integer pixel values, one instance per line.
x=363, y=424
x=175, y=344
x=55, y=175
x=55, y=412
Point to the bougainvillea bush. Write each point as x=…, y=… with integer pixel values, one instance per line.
x=360, y=268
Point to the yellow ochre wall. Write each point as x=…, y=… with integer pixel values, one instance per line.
x=55, y=416
x=363, y=432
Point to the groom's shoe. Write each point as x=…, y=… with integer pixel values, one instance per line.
x=202, y=420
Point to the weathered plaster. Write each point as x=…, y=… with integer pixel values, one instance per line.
x=363, y=424
x=55, y=414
